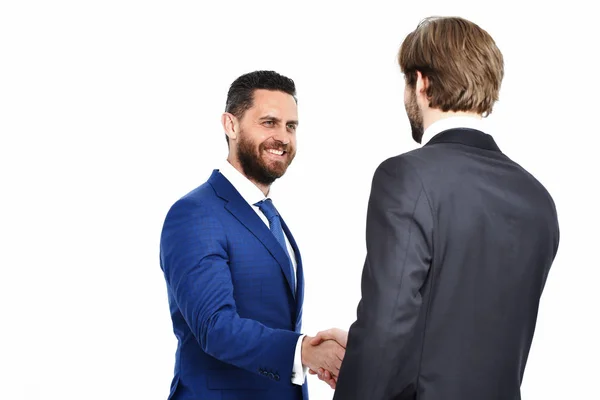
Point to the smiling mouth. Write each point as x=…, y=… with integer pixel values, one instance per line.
x=276, y=152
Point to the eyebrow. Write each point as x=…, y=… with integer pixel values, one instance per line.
x=278, y=120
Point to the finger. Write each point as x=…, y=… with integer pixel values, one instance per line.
x=310, y=371
x=333, y=365
x=331, y=381
x=336, y=368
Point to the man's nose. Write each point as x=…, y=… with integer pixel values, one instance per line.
x=282, y=135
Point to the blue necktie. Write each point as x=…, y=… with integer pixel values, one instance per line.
x=267, y=208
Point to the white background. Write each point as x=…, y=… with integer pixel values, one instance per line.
x=109, y=112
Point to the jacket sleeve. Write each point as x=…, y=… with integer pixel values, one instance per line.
x=195, y=262
x=399, y=253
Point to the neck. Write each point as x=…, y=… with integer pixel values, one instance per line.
x=237, y=165
x=433, y=115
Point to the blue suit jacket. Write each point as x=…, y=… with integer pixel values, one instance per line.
x=234, y=312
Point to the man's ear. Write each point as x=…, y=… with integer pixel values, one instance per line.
x=422, y=84
x=421, y=87
x=231, y=125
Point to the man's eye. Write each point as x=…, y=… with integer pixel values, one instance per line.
x=291, y=127
x=268, y=123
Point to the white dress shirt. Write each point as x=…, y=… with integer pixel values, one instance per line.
x=461, y=121
x=252, y=194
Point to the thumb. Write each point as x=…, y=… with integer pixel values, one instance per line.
x=340, y=336
x=316, y=340
x=336, y=334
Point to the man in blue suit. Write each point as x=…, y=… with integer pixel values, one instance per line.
x=233, y=270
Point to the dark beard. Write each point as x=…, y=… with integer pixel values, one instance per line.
x=414, y=117
x=254, y=167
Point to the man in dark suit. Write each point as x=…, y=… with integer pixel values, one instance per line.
x=233, y=269
x=460, y=239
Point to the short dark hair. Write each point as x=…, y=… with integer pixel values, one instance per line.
x=241, y=91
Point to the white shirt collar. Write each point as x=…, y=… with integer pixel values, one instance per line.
x=248, y=190
x=452, y=123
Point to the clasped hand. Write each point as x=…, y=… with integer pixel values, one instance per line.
x=323, y=354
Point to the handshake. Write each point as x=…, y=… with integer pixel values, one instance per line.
x=323, y=354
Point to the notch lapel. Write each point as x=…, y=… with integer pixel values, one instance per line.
x=244, y=213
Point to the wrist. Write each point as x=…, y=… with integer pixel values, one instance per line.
x=305, y=350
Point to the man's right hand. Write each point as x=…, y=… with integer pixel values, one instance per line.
x=326, y=355
x=336, y=334
x=341, y=337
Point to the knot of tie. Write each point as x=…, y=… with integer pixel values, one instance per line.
x=268, y=208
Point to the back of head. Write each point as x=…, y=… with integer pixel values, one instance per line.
x=461, y=61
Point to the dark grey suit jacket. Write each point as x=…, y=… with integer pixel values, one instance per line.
x=460, y=240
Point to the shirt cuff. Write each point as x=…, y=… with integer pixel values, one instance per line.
x=299, y=370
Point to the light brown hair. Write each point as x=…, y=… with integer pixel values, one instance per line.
x=461, y=61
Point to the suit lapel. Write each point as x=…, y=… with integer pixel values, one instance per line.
x=299, y=271
x=244, y=213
